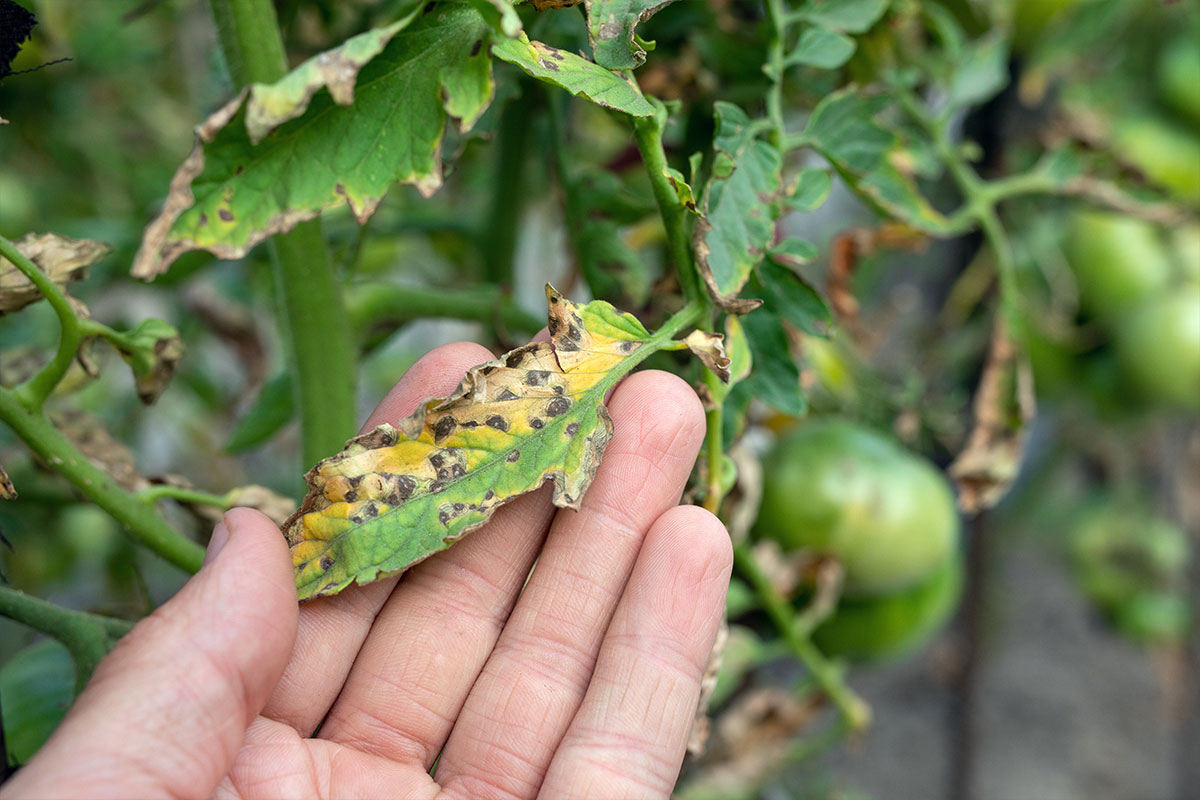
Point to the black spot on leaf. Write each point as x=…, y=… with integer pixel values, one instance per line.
x=513, y=456
x=443, y=428
x=572, y=429
x=557, y=406
x=498, y=422
x=326, y=562
x=536, y=424
x=536, y=377
x=506, y=394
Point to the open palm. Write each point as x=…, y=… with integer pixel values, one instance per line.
x=469, y=677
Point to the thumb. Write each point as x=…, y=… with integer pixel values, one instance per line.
x=166, y=711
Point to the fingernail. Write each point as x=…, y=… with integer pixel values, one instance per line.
x=220, y=536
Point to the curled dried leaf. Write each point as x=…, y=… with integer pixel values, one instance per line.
x=62, y=258
x=152, y=350
x=397, y=495
x=709, y=349
x=106, y=453
x=1004, y=406
x=273, y=504
x=7, y=490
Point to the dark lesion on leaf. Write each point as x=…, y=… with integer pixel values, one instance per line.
x=536, y=377
x=572, y=429
x=476, y=47
x=225, y=214
x=489, y=494
x=326, y=563
x=557, y=407
x=498, y=422
x=628, y=347
x=513, y=456
x=443, y=428
x=536, y=423
x=507, y=394
x=436, y=460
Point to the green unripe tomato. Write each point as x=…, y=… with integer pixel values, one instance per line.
x=894, y=625
x=1158, y=346
x=1117, y=260
x=1179, y=76
x=1133, y=566
x=838, y=488
x=1167, y=153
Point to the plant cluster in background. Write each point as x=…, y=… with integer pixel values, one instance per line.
x=936, y=220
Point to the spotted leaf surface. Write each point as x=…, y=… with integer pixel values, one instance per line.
x=397, y=495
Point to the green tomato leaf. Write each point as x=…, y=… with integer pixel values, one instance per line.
x=849, y=16
x=844, y=130
x=794, y=299
x=397, y=495
x=231, y=193
x=776, y=378
x=500, y=15
x=812, y=187
x=274, y=407
x=821, y=47
x=982, y=72
x=611, y=25
x=794, y=251
x=577, y=75
x=37, y=686
x=740, y=208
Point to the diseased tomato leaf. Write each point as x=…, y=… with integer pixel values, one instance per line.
x=397, y=495
x=741, y=205
x=62, y=259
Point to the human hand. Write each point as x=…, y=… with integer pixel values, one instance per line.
x=584, y=683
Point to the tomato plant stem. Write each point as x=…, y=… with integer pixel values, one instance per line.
x=319, y=336
x=60, y=455
x=156, y=493
x=87, y=637
x=375, y=303
x=314, y=314
x=647, y=132
x=854, y=710
x=508, y=191
x=33, y=393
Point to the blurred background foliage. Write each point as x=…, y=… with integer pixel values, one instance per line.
x=1108, y=495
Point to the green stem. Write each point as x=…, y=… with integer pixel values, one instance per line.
x=714, y=447
x=854, y=710
x=153, y=494
x=57, y=451
x=248, y=32
x=320, y=343
x=87, y=637
x=647, y=132
x=508, y=193
x=775, y=69
x=374, y=304
x=314, y=315
x=33, y=393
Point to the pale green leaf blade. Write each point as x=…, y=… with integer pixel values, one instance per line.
x=611, y=25
x=397, y=495
x=336, y=70
x=231, y=194
x=740, y=207
x=577, y=75
x=849, y=16
x=811, y=189
x=821, y=47
x=844, y=130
